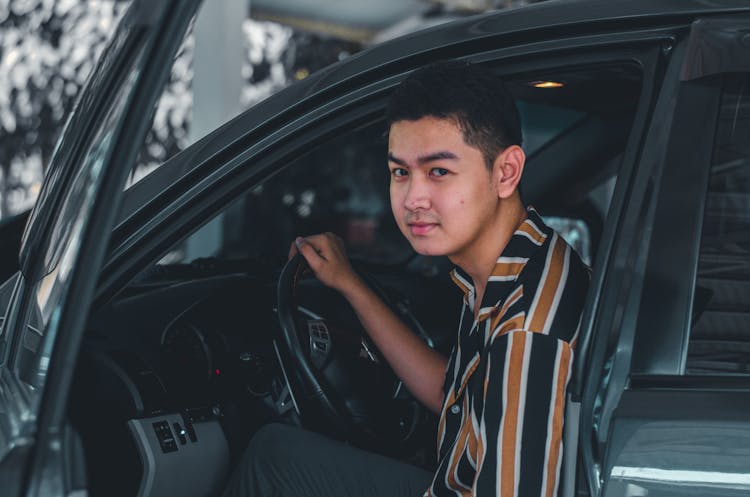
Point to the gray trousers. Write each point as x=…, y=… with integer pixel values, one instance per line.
x=284, y=461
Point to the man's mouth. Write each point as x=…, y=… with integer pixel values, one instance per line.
x=418, y=229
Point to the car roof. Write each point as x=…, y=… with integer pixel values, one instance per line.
x=556, y=12
x=536, y=22
x=552, y=16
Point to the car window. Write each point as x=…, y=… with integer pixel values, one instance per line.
x=341, y=185
x=65, y=240
x=48, y=283
x=543, y=122
x=576, y=232
x=720, y=334
x=47, y=51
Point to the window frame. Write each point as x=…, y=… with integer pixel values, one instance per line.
x=159, y=212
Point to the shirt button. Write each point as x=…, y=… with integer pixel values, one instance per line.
x=455, y=409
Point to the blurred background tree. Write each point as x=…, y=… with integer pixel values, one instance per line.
x=47, y=50
x=49, y=47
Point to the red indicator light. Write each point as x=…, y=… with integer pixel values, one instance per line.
x=217, y=371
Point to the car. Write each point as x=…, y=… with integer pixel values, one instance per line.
x=150, y=331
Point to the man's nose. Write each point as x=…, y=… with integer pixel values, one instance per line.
x=417, y=196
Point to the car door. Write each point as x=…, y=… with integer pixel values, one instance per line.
x=666, y=402
x=64, y=244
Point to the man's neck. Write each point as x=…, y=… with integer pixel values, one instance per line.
x=479, y=265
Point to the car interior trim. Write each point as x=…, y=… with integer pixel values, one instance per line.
x=686, y=173
x=286, y=377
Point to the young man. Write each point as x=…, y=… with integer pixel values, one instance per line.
x=455, y=162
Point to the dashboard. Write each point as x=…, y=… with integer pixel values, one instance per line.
x=185, y=350
x=207, y=340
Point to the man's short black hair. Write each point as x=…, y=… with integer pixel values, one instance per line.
x=471, y=95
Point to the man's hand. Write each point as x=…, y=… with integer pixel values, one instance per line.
x=326, y=256
x=421, y=368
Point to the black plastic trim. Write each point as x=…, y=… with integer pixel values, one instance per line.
x=663, y=326
x=679, y=382
x=717, y=46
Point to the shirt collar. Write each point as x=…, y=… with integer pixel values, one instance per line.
x=530, y=234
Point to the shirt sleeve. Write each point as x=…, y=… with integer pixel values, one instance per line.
x=520, y=429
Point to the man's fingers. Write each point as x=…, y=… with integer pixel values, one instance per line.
x=292, y=250
x=311, y=254
x=326, y=256
x=296, y=247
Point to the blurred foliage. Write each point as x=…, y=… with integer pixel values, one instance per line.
x=47, y=50
x=49, y=47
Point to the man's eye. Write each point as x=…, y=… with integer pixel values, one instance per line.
x=438, y=171
x=398, y=172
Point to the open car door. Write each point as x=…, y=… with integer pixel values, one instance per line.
x=64, y=245
x=667, y=392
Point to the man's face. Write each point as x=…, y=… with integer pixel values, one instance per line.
x=441, y=190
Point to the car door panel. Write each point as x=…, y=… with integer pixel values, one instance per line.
x=610, y=328
x=661, y=433
x=690, y=442
x=91, y=162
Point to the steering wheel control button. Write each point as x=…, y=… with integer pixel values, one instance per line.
x=164, y=436
x=318, y=329
x=455, y=409
x=320, y=341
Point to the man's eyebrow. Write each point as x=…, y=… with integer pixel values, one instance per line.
x=425, y=158
x=396, y=160
x=437, y=156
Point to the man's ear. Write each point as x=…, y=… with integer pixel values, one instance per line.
x=507, y=170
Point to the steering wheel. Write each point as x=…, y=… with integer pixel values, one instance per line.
x=337, y=374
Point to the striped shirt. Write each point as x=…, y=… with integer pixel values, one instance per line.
x=500, y=428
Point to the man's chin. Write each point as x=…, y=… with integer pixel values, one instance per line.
x=424, y=247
